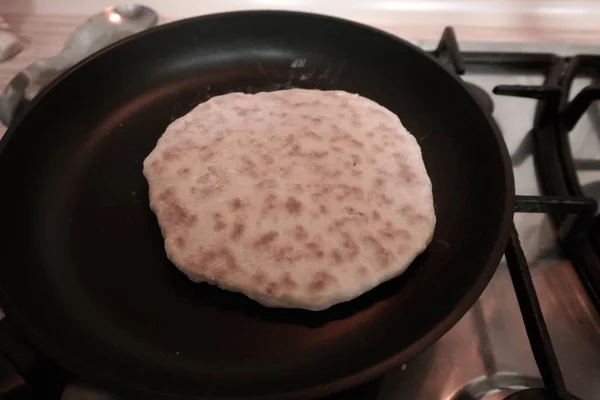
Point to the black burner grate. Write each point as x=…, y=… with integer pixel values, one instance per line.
x=572, y=213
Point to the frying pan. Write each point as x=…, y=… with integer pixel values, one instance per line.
x=83, y=272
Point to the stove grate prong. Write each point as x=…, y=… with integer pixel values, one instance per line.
x=573, y=111
x=448, y=53
x=539, y=92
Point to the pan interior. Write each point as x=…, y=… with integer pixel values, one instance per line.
x=83, y=269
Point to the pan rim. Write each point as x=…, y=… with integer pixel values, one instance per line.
x=468, y=299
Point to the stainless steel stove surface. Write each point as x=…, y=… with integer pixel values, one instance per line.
x=487, y=355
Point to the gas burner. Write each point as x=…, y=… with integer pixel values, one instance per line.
x=537, y=394
x=481, y=96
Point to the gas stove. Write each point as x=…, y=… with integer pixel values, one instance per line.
x=543, y=105
x=535, y=331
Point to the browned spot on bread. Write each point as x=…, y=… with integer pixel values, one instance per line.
x=311, y=134
x=219, y=224
x=300, y=233
x=183, y=172
x=209, y=191
x=297, y=188
x=317, y=154
x=155, y=166
x=272, y=288
x=348, y=138
x=418, y=218
x=269, y=204
x=336, y=256
x=218, y=262
x=316, y=249
x=296, y=150
x=405, y=210
x=406, y=174
x=346, y=191
x=357, y=143
x=268, y=159
x=376, y=215
x=351, y=248
x=337, y=224
x=259, y=278
x=320, y=281
x=412, y=216
x=289, y=140
x=288, y=282
x=205, y=178
x=180, y=242
x=172, y=153
x=266, y=184
x=174, y=212
x=284, y=172
x=284, y=253
x=340, y=191
x=377, y=149
x=266, y=238
x=238, y=231
x=230, y=261
x=236, y=204
x=401, y=248
x=249, y=167
x=208, y=155
x=363, y=272
x=386, y=200
x=293, y=205
x=390, y=232
x=382, y=255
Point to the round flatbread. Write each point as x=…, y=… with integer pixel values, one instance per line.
x=295, y=198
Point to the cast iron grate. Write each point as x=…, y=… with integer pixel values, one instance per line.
x=573, y=214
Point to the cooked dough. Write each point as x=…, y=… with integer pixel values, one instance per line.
x=296, y=198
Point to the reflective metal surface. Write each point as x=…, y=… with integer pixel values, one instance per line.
x=98, y=31
x=487, y=354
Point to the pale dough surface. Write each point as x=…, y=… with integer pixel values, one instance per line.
x=295, y=198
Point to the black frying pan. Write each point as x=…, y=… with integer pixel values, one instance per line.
x=83, y=271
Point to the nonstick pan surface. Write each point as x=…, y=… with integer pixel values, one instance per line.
x=83, y=272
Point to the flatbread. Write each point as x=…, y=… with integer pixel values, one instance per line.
x=296, y=198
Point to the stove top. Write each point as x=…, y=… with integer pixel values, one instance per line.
x=535, y=331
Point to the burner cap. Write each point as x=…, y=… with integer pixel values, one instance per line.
x=481, y=96
x=534, y=394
